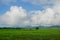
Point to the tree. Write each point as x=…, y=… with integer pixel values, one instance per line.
x=37, y=27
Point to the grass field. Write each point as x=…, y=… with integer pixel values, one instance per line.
x=40, y=34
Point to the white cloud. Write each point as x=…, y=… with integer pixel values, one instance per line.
x=46, y=17
x=49, y=15
x=17, y=16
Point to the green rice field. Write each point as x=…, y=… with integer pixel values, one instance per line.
x=32, y=34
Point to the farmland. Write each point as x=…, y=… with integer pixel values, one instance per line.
x=32, y=34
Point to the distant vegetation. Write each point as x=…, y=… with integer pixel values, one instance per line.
x=31, y=27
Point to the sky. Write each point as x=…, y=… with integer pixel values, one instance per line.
x=24, y=13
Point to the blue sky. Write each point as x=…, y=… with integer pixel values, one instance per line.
x=26, y=5
x=15, y=12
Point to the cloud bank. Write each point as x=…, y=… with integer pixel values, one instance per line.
x=15, y=16
x=48, y=16
x=18, y=16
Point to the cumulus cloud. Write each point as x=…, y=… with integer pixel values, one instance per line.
x=18, y=16
x=46, y=17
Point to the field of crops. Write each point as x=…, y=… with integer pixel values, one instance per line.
x=35, y=34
